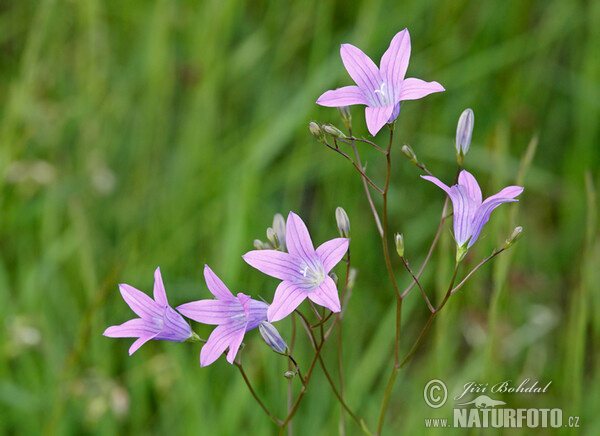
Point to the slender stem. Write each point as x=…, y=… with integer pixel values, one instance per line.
x=416, y=280
x=358, y=167
x=290, y=393
x=297, y=368
x=340, y=356
x=366, y=141
x=483, y=262
x=260, y=403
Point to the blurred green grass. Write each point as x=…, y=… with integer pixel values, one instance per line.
x=136, y=134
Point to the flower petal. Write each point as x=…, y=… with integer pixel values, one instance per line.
x=326, y=295
x=134, y=328
x=414, y=89
x=331, y=252
x=394, y=62
x=138, y=343
x=258, y=314
x=362, y=70
x=377, y=117
x=234, y=345
x=211, y=311
x=467, y=180
x=464, y=210
x=346, y=96
x=287, y=297
x=223, y=336
x=297, y=238
x=160, y=296
x=174, y=328
x=140, y=303
x=216, y=286
x=508, y=192
x=438, y=183
x=483, y=215
x=273, y=263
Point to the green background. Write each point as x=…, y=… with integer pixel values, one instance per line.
x=137, y=134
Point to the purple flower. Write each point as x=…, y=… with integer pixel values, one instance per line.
x=380, y=89
x=233, y=315
x=303, y=269
x=157, y=320
x=470, y=213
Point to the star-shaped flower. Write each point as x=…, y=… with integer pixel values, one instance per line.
x=157, y=320
x=380, y=89
x=470, y=213
x=234, y=315
x=303, y=269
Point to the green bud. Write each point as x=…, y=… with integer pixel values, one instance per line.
x=409, y=153
x=315, y=130
x=333, y=131
x=279, y=227
x=334, y=277
x=273, y=238
x=352, y=278
x=289, y=374
x=343, y=223
x=259, y=245
x=464, y=131
x=399, y=239
x=344, y=112
x=514, y=237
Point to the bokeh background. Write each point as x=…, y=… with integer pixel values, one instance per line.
x=137, y=134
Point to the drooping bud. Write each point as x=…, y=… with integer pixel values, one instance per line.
x=334, y=277
x=409, y=153
x=272, y=338
x=343, y=223
x=273, y=238
x=399, y=239
x=333, y=131
x=464, y=131
x=344, y=112
x=259, y=245
x=279, y=227
x=315, y=130
x=514, y=237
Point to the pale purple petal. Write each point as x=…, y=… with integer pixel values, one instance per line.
x=258, y=314
x=394, y=62
x=438, y=183
x=211, y=311
x=273, y=263
x=508, y=192
x=395, y=113
x=464, y=210
x=362, y=69
x=175, y=327
x=138, y=343
x=297, y=238
x=287, y=297
x=483, y=215
x=377, y=117
x=331, y=252
x=326, y=295
x=216, y=286
x=346, y=96
x=134, y=328
x=414, y=89
x=218, y=341
x=234, y=345
x=160, y=296
x=244, y=302
x=140, y=303
x=467, y=180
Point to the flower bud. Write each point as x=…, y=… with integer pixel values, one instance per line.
x=399, y=239
x=352, y=278
x=343, y=223
x=334, y=277
x=315, y=130
x=259, y=245
x=464, y=130
x=344, y=112
x=333, y=131
x=409, y=153
x=514, y=237
x=289, y=374
x=279, y=227
x=273, y=238
x=272, y=338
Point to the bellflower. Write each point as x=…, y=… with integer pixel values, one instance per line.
x=303, y=269
x=380, y=89
x=470, y=213
x=157, y=320
x=233, y=315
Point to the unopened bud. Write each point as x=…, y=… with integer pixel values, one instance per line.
x=259, y=245
x=409, y=153
x=272, y=338
x=273, y=238
x=279, y=227
x=343, y=223
x=289, y=374
x=333, y=131
x=334, y=277
x=344, y=112
x=352, y=278
x=514, y=236
x=464, y=131
x=315, y=130
x=399, y=239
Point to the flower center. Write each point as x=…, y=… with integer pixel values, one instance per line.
x=383, y=95
x=312, y=274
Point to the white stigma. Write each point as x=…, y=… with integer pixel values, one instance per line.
x=313, y=274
